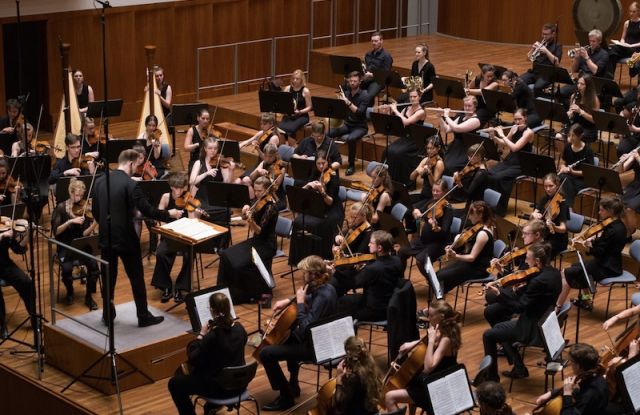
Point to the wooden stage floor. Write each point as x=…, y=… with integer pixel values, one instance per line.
x=451, y=57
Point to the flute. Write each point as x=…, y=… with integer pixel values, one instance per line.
x=456, y=111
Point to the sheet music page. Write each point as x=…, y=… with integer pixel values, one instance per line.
x=433, y=280
x=458, y=384
x=442, y=400
x=631, y=376
x=262, y=269
x=191, y=228
x=328, y=339
x=202, y=305
x=552, y=334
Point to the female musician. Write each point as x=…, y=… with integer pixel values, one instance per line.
x=473, y=264
x=472, y=179
x=503, y=175
x=435, y=230
x=430, y=169
x=571, y=173
x=556, y=225
x=270, y=167
x=631, y=194
x=488, y=79
x=8, y=122
x=402, y=154
x=7, y=184
x=315, y=301
x=237, y=269
x=69, y=164
x=196, y=135
x=492, y=399
x=382, y=187
x=84, y=92
x=584, y=393
x=68, y=222
x=290, y=124
x=152, y=145
x=621, y=316
x=456, y=156
x=629, y=40
x=17, y=148
x=523, y=96
x=584, y=102
x=219, y=344
x=268, y=133
x=606, y=252
x=143, y=170
x=165, y=257
x=444, y=339
x=91, y=144
x=165, y=93
x=357, y=382
x=423, y=67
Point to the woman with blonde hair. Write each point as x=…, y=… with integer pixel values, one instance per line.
x=290, y=124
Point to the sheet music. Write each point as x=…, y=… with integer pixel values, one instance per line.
x=450, y=394
x=191, y=228
x=328, y=339
x=631, y=376
x=268, y=279
x=552, y=335
x=433, y=280
x=202, y=305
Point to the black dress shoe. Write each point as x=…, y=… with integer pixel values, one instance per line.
x=88, y=301
x=149, y=320
x=166, y=295
x=350, y=171
x=69, y=299
x=279, y=404
x=295, y=389
x=4, y=333
x=516, y=373
x=178, y=297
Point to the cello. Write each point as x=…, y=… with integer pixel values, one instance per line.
x=278, y=328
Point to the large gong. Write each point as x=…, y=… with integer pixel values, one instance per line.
x=597, y=14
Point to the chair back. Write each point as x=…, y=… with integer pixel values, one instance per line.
x=283, y=227
x=342, y=194
x=237, y=378
x=634, y=250
x=575, y=222
x=401, y=317
x=498, y=248
x=371, y=166
x=456, y=224
x=449, y=181
x=398, y=211
x=285, y=152
x=483, y=371
x=491, y=198
x=287, y=181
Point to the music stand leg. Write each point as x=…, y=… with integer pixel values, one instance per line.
x=259, y=329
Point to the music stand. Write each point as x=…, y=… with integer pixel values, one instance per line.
x=419, y=134
x=535, y=166
x=388, y=79
x=552, y=111
x=449, y=391
x=613, y=124
x=278, y=102
x=88, y=244
x=329, y=107
x=230, y=148
x=449, y=87
x=154, y=189
x=553, y=340
x=606, y=86
x=7, y=210
x=301, y=168
x=490, y=148
x=118, y=146
x=552, y=74
x=62, y=186
x=227, y=195
x=197, y=304
x=434, y=282
x=344, y=65
x=387, y=125
x=39, y=168
x=627, y=375
x=499, y=69
x=498, y=101
x=400, y=194
x=601, y=179
x=98, y=109
x=394, y=227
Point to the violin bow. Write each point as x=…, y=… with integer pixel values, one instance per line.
x=546, y=209
x=344, y=239
x=436, y=202
x=8, y=177
x=221, y=154
x=38, y=125
x=88, y=195
x=13, y=209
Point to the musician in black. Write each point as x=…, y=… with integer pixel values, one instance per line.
x=628, y=108
x=120, y=240
x=68, y=222
x=270, y=167
x=472, y=179
x=164, y=91
x=219, y=344
x=488, y=79
x=315, y=301
x=631, y=195
x=629, y=40
x=590, y=60
x=84, y=92
x=455, y=157
x=267, y=134
x=492, y=399
x=378, y=280
x=584, y=393
x=605, y=250
x=522, y=96
x=8, y=122
x=539, y=297
x=571, y=173
x=68, y=165
x=355, y=125
x=153, y=147
x=377, y=59
x=237, y=268
x=555, y=219
x=309, y=146
x=550, y=53
x=196, y=134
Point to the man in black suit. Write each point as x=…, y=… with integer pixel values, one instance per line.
x=125, y=197
x=539, y=297
x=378, y=279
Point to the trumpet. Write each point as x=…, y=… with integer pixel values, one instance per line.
x=535, y=52
x=573, y=52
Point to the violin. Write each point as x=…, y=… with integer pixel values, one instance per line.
x=466, y=236
x=8, y=185
x=621, y=345
x=82, y=162
x=82, y=208
x=222, y=162
x=517, y=277
x=327, y=175
x=147, y=171
x=353, y=234
x=373, y=194
x=276, y=169
x=358, y=185
x=593, y=230
x=189, y=203
x=436, y=211
x=266, y=135
x=468, y=169
x=354, y=259
x=212, y=132
x=40, y=147
x=95, y=138
x=504, y=260
x=18, y=225
x=553, y=206
x=259, y=204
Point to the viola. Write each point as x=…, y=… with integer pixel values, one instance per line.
x=517, y=277
x=147, y=171
x=504, y=260
x=259, y=204
x=18, y=225
x=621, y=344
x=212, y=132
x=276, y=169
x=355, y=259
x=189, y=203
x=591, y=231
x=40, y=147
x=373, y=194
x=552, y=207
x=354, y=233
x=278, y=330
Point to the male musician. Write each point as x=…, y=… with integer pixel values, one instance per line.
x=496, y=312
x=118, y=239
x=550, y=53
x=309, y=146
x=591, y=62
x=13, y=275
x=377, y=59
x=355, y=124
x=64, y=166
x=316, y=300
x=605, y=250
x=539, y=296
x=378, y=279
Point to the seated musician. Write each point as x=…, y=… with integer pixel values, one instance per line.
x=492, y=399
x=423, y=68
x=270, y=167
x=91, y=145
x=631, y=194
x=606, y=252
x=379, y=197
x=326, y=182
x=17, y=148
x=629, y=42
x=290, y=124
x=522, y=96
x=377, y=59
x=68, y=165
x=628, y=109
x=455, y=157
x=571, y=173
x=474, y=262
x=83, y=91
x=196, y=135
x=430, y=170
x=358, y=382
x=165, y=257
x=13, y=275
x=8, y=192
x=219, y=344
x=584, y=393
x=165, y=93
x=443, y=340
x=152, y=145
x=268, y=134
x=144, y=171
x=402, y=154
x=503, y=175
x=548, y=54
x=488, y=79
x=68, y=222
x=592, y=60
x=539, y=297
x=309, y=146
x=355, y=124
x=472, y=179
x=378, y=280
x=237, y=269
x=584, y=102
x=621, y=316
x=435, y=230
x=315, y=301
x=554, y=214
x=496, y=312
x=8, y=124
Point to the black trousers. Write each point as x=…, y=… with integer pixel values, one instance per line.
x=351, y=135
x=92, y=277
x=356, y=306
x=182, y=387
x=132, y=262
x=495, y=312
x=17, y=278
x=292, y=351
x=504, y=333
x=165, y=258
x=539, y=84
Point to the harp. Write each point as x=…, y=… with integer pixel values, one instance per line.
x=69, y=119
x=151, y=104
